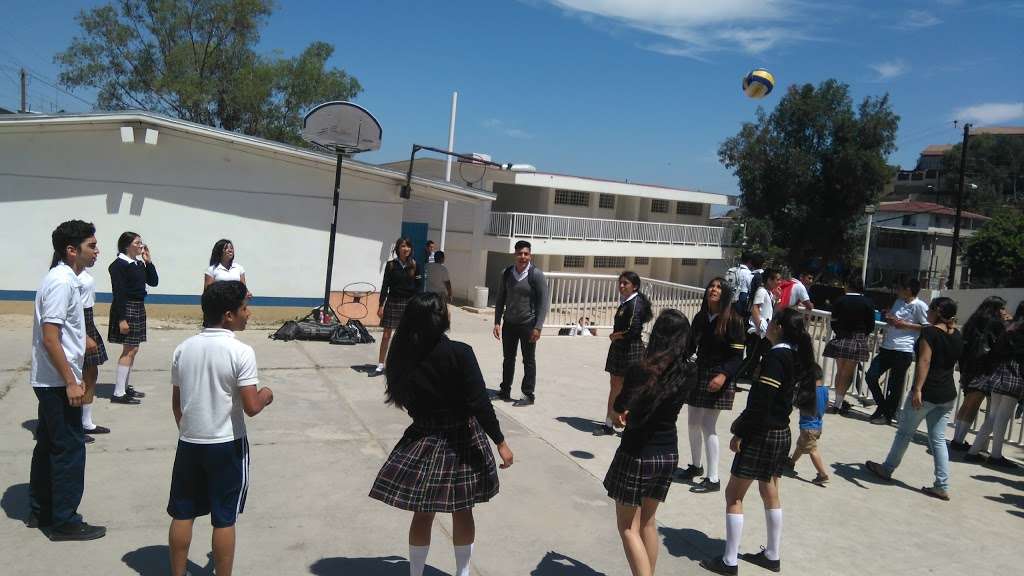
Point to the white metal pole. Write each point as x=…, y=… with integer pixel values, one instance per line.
x=867, y=243
x=448, y=166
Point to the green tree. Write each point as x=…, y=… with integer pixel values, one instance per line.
x=196, y=60
x=995, y=253
x=995, y=164
x=807, y=170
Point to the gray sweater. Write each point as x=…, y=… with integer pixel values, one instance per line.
x=517, y=303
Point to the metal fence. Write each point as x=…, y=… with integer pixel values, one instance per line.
x=521, y=225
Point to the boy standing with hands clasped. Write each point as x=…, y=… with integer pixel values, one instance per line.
x=214, y=378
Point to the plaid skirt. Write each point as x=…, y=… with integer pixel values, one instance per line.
x=135, y=314
x=394, y=308
x=622, y=354
x=441, y=465
x=1007, y=379
x=852, y=346
x=100, y=355
x=702, y=397
x=630, y=479
x=763, y=456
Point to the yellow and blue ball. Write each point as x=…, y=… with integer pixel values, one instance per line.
x=758, y=83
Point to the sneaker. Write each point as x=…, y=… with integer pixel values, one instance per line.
x=760, y=559
x=97, y=430
x=524, y=401
x=959, y=446
x=504, y=396
x=878, y=470
x=76, y=532
x=880, y=420
x=131, y=391
x=974, y=458
x=936, y=493
x=690, y=473
x=126, y=399
x=604, y=430
x=706, y=486
x=820, y=480
x=718, y=566
x=1001, y=462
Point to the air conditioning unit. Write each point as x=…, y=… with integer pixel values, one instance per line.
x=478, y=158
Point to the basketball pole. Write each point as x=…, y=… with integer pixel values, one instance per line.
x=330, y=249
x=448, y=166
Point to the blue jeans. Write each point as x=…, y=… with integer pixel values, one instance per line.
x=936, y=416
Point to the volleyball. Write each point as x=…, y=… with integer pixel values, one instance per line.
x=758, y=83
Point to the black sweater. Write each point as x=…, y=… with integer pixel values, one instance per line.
x=853, y=313
x=448, y=382
x=629, y=318
x=128, y=281
x=398, y=281
x=771, y=396
x=722, y=354
x=657, y=433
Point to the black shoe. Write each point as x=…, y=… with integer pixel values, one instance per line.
x=126, y=399
x=524, y=401
x=718, y=566
x=98, y=430
x=79, y=531
x=706, y=486
x=880, y=420
x=959, y=446
x=88, y=439
x=604, y=430
x=1001, y=462
x=504, y=396
x=761, y=560
x=131, y=391
x=974, y=458
x=690, y=473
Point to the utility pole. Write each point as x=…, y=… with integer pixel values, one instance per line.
x=955, y=248
x=24, y=92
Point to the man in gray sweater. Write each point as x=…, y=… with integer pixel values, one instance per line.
x=523, y=304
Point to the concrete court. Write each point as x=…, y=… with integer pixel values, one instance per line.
x=316, y=450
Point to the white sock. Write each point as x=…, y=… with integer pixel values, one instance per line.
x=839, y=401
x=462, y=556
x=380, y=367
x=709, y=423
x=87, y=422
x=121, y=383
x=696, y=437
x=733, y=532
x=609, y=423
x=773, y=518
x=960, y=432
x=417, y=559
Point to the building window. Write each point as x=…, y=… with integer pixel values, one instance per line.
x=610, y=262
x=572, y=198
x=606, y=201
x=659, y=206
x=574, y=261
x=688, y=261
x=641, y=261
x=892, y=240
x=908, y=219
x=689, y=208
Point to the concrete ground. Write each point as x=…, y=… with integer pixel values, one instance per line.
x=316, y=450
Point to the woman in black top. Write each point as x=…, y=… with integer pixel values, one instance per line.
x=853, y=319
x=761, y=439
x=719, y=341
x=443, y=462
x=932, y=398
x=627, y=347
x=981, y=331
x=641, y=472
x=398, y=286
x=129, y=276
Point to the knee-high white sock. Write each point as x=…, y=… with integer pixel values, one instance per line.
x=839, y=401
x=709, y=424
x=462, y=556
x=1001, y=413
x=417, y=559
x=121, y=384
x=773, y=518
x=733, y=532
x=87, y=417
x=960, y=432
x=696, y=436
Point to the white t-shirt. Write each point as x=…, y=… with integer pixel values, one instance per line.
x=765, y=304
x=219, y=272
x=209, y=370
x=88, y=289
x=798, y=294
x=743, y=278
x=900, y=339
x=58, y=301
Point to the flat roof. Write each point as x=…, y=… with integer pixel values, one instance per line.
x=616, y=187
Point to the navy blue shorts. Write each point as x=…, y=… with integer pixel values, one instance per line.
x=210, y=479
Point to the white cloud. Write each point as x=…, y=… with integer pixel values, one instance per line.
x=890, y=69
x=510, y=131
x=917, y=19
x=991, y=113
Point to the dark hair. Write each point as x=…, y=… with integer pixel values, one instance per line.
x=727, y=317
x=125, y=240
x=794, y=333
x=913, y=285
x=665, y=368
x=220, y=298
x=428, y=243
x=439, y=256
x=806, y=394
x=854, y=284
x=70, y=233
x=423, y=324
x=218, y=252
x=402, y=241
x=946, y=307
x=746, y=256
x=634, y=279
x=768, y=274
x=757, y=260
x=522, y=244
x=987, y=314
x=804, y=271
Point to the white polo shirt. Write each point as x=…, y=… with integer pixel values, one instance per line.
x=209, y=370
x=88, y=289
x=58, y=301
x=766, y=305
x=798, y=294
x=903, y=339
x=219, y=272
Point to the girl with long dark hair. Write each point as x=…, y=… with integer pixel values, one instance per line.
x=223, y=265
x=398, y=286
x=981, y=332
x=853, y=319
x=130, y=273
x=442, y=463
x=761, y=439
x=627, y=347
x=641, y=472
x=718, y=340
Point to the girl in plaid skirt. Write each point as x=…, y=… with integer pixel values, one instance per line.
x=627, y=347
x=129, y=277
x=853, y=319
x=443, y=462
x=761, y=440
x=398, y=286
x=1005, y=387
x=641, y=472
x=95, y=354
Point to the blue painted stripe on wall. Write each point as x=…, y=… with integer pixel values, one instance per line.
x=181, y=299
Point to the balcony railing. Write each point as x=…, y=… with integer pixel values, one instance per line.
x=520, y=225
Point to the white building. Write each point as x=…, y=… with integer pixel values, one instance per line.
x=182, y=186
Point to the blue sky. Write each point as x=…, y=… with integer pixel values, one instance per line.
x=642, y=90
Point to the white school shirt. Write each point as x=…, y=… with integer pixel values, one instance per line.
x=219, y=272
x=798, y=293
x=743, y=279
x=209, y=370
x=88, y=289
x=900, y=339
x=58, y=301
x=765, y=304
x=526, y=271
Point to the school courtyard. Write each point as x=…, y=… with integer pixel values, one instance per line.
x=316, y=450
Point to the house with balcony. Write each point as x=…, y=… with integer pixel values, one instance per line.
x=575, y=224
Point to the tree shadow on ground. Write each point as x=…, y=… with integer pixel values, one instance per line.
x=15, y=502
x=580, y=424
x=690, y=544
x=155, y=561
x=379, y=566
x=556, y=564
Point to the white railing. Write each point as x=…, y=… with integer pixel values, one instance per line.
x=520, y=225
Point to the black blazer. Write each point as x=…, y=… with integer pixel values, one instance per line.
x=128, y=281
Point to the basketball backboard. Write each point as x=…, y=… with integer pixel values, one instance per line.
x=342, y=126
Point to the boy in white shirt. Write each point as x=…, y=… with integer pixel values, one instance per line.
x=214, y=377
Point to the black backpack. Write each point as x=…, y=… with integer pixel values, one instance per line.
x=288, y=331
